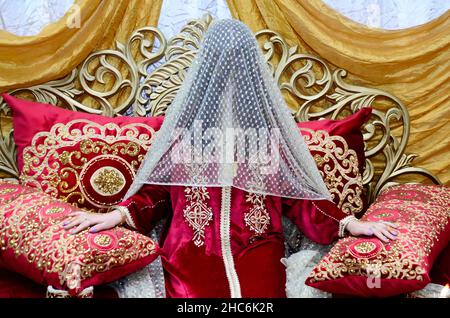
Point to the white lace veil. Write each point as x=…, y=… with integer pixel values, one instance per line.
x=230, y=126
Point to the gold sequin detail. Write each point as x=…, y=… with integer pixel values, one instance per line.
x=102, y=240
x=383, y=215
x=7, y=190
x=54, y=210
x=108, y=181
x=338, y=165
x=365, y=247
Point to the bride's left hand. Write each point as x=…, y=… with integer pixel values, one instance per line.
x=385, y=231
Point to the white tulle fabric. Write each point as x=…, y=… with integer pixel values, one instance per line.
x=143, y=283
x=300, y=264
x=147, y=282
x=230, y=126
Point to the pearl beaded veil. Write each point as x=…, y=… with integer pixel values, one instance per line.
x=230, y=126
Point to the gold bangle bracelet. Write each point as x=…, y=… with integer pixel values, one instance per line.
x=343, y=224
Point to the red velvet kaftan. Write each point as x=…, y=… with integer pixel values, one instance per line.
x=222, y=242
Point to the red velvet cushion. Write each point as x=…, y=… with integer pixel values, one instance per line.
x=34, y=244
x=440, y=273
x=338, y=149
x=89, y=160
x=13, y=285
x=422, y=214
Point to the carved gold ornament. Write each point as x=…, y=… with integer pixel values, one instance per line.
x=150, y=81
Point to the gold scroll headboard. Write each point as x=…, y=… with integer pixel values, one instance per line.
x=146, y=85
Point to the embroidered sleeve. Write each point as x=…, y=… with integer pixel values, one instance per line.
x=143, y=210
x=127, y=219
x=319, y=220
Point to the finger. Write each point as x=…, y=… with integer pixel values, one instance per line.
x=388, y=228
x=72, y=216
x=389, y=235
x=391, y=224
x=381, y=226
x=381, y=236
x=392, y=231
x=75, y=213
x=71, y=224
x=391, y=228
x=100, y=227
x=79, y=228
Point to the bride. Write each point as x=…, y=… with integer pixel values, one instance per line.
x=227, y=163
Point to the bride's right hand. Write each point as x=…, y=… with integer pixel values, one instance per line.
x=79, y=220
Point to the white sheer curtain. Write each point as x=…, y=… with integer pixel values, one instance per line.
x=28, y=17
x=175, y=13
x=390, y=14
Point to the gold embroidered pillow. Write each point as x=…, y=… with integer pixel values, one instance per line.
x=34, y=244
x=337, y=147
x=84, y=159
x=367, y=267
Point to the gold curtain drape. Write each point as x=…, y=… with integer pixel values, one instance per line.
x=412, y=64
x=57, y=49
